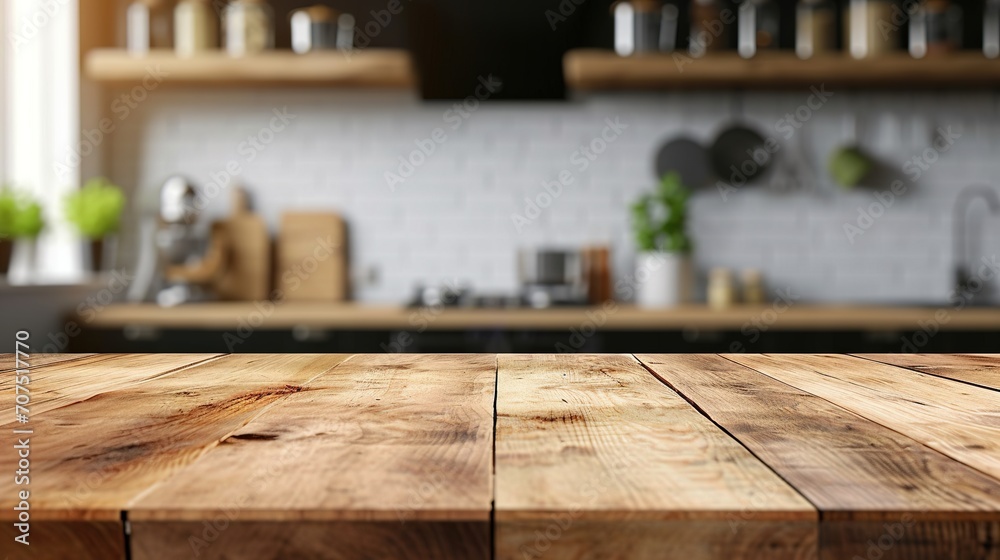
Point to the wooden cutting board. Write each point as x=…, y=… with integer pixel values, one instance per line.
x=311, y=257
x=246, y=274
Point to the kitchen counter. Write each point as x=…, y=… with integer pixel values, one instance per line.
x=621, y=317
x=712, y=457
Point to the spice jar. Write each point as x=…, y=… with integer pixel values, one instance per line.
x=991, y=29
x=753, y=286
x=758, y=27
x=643, y=26
x=313, y=28
x=935, y=28
x=720, y=288
x=249, y=27
x=196, y=28
x=865, y=32
x=709, y=27
x=148, y=25
x=815, y=22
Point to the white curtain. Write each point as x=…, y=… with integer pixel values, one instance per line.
x=40, y=140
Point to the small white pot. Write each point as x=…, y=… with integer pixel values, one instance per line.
x=662, y=279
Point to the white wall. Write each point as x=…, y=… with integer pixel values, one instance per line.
x=452, y=218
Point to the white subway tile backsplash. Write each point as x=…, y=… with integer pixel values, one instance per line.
x=451, y=218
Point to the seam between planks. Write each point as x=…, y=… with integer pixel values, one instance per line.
x=138, y=497
x=914, y=370
x=819, y=512
x=865, y=417
x=493, y=472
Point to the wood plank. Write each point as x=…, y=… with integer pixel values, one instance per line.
x=91, y=459
x=7, y=362
x=389, y=68
x=848, y=467
x=907, y=539
x=392, y=453
x=587, y=445
x=596, y=69
x=959, y=420
x=83, y=540
x=871, y=484
x=65, y=382
x=977, y=369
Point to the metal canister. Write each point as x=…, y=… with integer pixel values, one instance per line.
x=314, y=28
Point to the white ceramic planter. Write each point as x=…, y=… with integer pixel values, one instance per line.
x=662, y=279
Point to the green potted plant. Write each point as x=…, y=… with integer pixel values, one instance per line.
x=663, y=265
x=95, y=210
x=20, y=220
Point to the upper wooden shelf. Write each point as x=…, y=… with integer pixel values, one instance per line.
x=366, y=68
x=590, y=69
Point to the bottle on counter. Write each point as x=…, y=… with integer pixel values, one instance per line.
x=758, y=27
x=196, y=28
x=815, y=25
x=721, y=293
x=249, y=27
x=865, y=32
x=935, y=28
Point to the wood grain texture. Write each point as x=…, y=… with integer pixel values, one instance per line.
x=594, y=69
x=563, y=538
x=906, y=539
x=7, y=362
x=59, y=540
x=959, y=420
x=848, y=467
x=393, y=440
x=599, y=439
x=61, y=383
x=977, y=369
x=310, y=540
x=92, y=458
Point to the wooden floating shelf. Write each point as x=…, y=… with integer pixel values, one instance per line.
x=388, y=68
x=590, y=69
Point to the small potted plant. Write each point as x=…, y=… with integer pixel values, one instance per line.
x=20, y=220
x=96, y=211
x=663, y=273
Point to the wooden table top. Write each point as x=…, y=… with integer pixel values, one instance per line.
x=510, y=456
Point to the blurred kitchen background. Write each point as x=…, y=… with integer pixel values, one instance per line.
x=440, y=175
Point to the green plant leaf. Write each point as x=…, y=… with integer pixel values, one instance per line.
x=659, y=220
x=96, y=208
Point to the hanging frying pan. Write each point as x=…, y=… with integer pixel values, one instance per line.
x=685, y=157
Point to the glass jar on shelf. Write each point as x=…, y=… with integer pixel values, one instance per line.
x=196, y=29
x=249, y=27
x=758, y=27
x=815, y=28
x=865, y=31
x=935, y=28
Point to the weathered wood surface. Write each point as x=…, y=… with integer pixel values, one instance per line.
x=60, y=383
x=861, y=475
x=977, y=369
x=515, y=456
x=92, y=458
x=587, y=445
x=959, y=420
x=395, y=449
